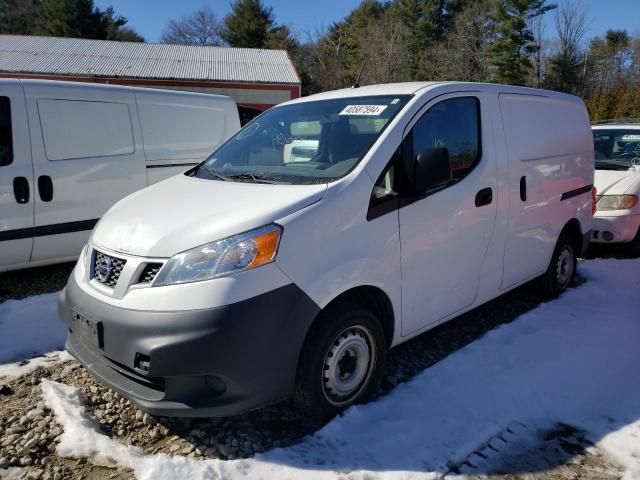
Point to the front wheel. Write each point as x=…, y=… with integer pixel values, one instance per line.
x=562, y=268
x=342, y=361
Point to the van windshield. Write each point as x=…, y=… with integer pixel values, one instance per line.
x=616, y=149
x=311, y=142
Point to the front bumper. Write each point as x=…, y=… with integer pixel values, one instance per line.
x=202, y=363
x=623, y=228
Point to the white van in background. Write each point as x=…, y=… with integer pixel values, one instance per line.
x=69, y=151
x=325, y=232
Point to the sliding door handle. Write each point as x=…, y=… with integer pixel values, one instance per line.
x=523, y=189
x=484, y=197
x=21, y=189
x=45, y=188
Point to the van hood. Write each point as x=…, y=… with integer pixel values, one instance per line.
x=617, y=182
x=183, y=212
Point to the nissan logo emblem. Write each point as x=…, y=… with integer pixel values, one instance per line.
x=103, y=269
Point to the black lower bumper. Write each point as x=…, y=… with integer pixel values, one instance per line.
x=201, y=363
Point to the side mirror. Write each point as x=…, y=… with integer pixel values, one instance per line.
x=433, y=169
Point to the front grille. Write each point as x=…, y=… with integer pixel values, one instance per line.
x=109, y=279
x=149, y=273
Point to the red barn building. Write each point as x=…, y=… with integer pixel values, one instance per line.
x=253, y=77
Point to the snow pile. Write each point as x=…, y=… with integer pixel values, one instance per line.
x=30, y=327
x=9, y=371
x=573, y=360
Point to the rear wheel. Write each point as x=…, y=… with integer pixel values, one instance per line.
x=341, y=362
x=562, y=268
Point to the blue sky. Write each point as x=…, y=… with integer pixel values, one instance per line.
x=149, y=17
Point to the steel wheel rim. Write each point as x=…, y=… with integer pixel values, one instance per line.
x=348, y=365
x=564, y=267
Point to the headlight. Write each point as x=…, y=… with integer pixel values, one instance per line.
x=223, y=257
x=616, y=202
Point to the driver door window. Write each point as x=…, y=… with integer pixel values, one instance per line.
x=455, y=125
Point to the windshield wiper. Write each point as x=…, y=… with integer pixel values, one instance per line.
x=214, y=174
x=257, y=178
x=606, y=165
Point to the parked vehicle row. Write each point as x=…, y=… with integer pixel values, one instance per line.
x=328, y=230
x=69, y=151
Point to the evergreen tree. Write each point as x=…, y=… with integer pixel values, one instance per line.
x=116, y=29
x=18, y=16
x=515, y=42
x=248, y=24
x=426, y=22
x=565, y=72
x=81, y=19
x=356, y=25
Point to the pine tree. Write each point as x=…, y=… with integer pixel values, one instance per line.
x=426, y=22
x=565, y=72
x=18, y=16
x=248, y=24
x=515, y=42
x=81, y=19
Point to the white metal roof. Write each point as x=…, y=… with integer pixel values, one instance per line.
x=77, y=56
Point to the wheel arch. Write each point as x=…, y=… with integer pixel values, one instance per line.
x=574, y=230
x=371, y=298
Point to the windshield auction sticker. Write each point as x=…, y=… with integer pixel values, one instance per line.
x=630, y=138
x=363, y=110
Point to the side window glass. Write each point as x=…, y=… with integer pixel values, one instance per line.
x=453, y=124
x=6, y=137
x=387, y=189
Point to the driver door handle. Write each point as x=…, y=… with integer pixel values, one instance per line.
x=484, y=197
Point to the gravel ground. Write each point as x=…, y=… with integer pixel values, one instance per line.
x=27, y=430
x=21, y=284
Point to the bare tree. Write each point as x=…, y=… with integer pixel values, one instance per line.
x=199, y=28
x=537, y=27
x=328, y=69
x=385, y=56
x=567, y=65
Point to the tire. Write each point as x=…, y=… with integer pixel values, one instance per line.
x=562, y=269
x=349, y=337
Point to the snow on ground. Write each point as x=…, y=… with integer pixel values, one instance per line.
x=573, y=360
x=9, y=371
x=30, y=327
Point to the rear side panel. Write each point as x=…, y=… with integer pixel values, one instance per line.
x=551, y=163
x=180, y=130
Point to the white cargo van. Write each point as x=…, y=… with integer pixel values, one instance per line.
x=69, y=151
x=264, y=273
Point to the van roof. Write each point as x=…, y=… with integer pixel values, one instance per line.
x=106, y=86
x=411, y=88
